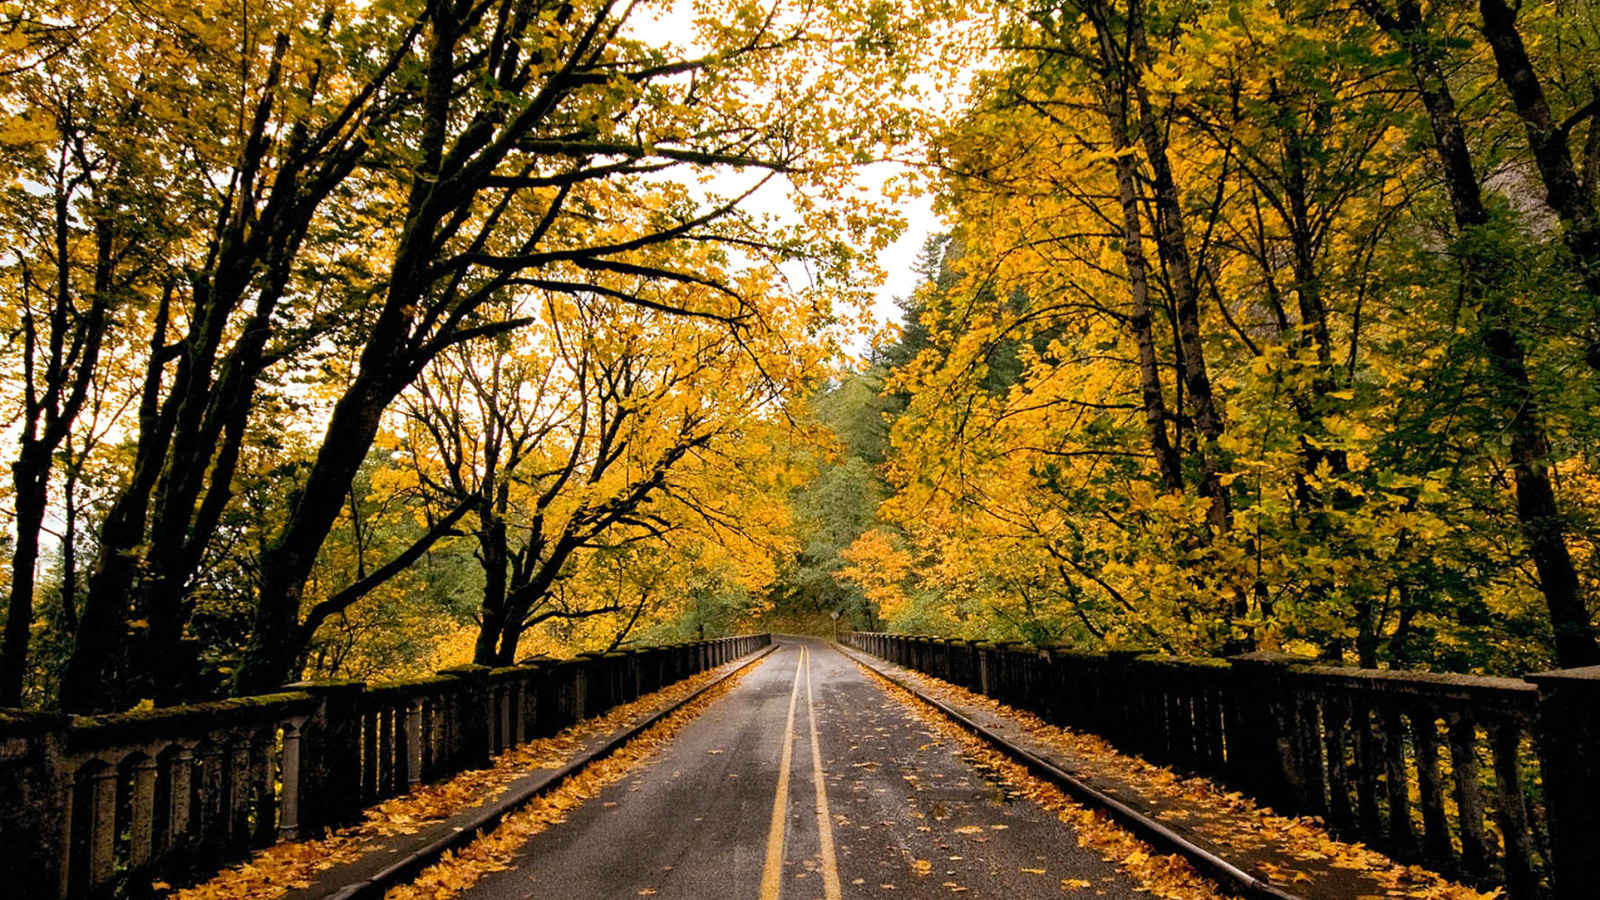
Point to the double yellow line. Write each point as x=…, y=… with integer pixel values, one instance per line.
x=772, y=872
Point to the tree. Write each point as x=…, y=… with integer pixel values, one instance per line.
x=594, y=431
x=83, y=273
x=1543, y=524
x=1139, y=190
x=347, y=189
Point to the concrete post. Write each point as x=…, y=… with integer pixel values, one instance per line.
x=101, y=786
x=477, y=715
x=985, y=652
x=142, y=821
x=181, y=813
x=1568, y=733
x=35, y=797
x=1261, y=743
x=330, y=755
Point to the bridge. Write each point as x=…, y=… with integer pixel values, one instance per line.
x=801, y=768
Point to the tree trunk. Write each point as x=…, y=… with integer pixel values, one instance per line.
x=1140, y=321
x=1549, y=142
x=278, y=640
x=88, y=682
x=494, y=559
x=30, y=474
x=386, y=368
x=1172, y=241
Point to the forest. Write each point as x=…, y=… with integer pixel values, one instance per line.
x=356, y=340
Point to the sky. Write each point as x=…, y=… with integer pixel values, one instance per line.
x=899, y=260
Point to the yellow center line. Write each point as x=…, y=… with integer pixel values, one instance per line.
x=772, y=872
x=830, y=866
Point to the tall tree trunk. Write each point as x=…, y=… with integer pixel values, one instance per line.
x=191, y=428
x=99, y=644
x=1549, y=141
x=55, y=396
x=1114, y=100
x=278, y=640
x=1172, y=240
x=494, y=558
x=1567, y=191
x=1124, y=61
x=387, y=365
x=30, y=475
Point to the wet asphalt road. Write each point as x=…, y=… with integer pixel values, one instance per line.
x=732, y=809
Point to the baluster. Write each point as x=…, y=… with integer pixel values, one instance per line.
x=1511, y=813
x=1435, y=828
x=532, y=684
x=1367, y=756
x=519, y=703
x=1171, y=735
x=1335, y=715
x=409, y=755
x=1216, y=729
x=180, y=817
x=1308, y=750
x=448, y=748
x=1182, y=721
x=1463, y=734
x=1402, y=836
x=210, y=816
x=400, y=747
x=101, y=788
x=237, y=809
x=264, y=771
x=451, y=706
x=141, y=831
x=1208, y=717
x=502, y=697
x=433, y=742
x=388, y=759
x=369, y=757
x=69, y=852
x=289, y=803
x=1200, y=729
x=445, y=743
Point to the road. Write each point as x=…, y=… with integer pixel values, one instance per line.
x=805, y=781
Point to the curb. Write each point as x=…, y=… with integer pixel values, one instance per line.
x=1142, y=825
x=489, y=816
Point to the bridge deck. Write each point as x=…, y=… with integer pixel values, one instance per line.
x=906, y=815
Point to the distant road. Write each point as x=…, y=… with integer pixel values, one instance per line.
x=734, y=808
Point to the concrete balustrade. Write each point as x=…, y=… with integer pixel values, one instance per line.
x=102, y=806
x=1495, y=781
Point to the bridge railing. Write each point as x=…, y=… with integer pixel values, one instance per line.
x=100, y=806
x=1493, y=780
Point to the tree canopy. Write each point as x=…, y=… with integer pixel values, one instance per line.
x=352, y=338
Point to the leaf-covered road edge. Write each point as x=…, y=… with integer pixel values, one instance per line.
x=493, y=852
x=276, y=870
x=1303, y=838
x=1168, y=876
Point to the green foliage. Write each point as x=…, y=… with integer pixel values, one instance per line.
x=1387, y=390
